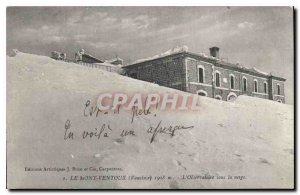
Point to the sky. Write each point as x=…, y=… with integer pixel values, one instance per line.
x=260, y=37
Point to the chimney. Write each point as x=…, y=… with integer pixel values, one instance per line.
x=214, y=52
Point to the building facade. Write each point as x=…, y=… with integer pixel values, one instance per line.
x=208, y=76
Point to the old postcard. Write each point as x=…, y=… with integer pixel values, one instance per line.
x=150, y=98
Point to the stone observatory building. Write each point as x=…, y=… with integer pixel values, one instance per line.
x=206, y=75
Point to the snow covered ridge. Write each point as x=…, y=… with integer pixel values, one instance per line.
x=110, y=101
x=259, y=71
x=177, y=49
x=254, y=69
x=184, y=48
x=250, y=137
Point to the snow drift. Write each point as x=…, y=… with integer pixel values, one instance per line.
x=250, y=140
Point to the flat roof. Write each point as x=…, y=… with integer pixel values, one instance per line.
x=212, y=60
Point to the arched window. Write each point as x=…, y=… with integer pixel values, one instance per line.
x=218, y=84
x=244, y=84
x=255, y=86
x=278, y=89
x=201, y=74
x=218, y=97
x=265, y=87
x=232, y=81
x=202, y=93
x=231, y=96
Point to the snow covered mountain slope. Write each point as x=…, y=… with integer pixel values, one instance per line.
x=245, y=144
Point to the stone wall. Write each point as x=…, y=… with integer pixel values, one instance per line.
x=170, y=71
x=224, y=90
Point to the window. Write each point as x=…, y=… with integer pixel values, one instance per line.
x=244, y=84
x=218, y=84
x=255, y=86
x=218, y=97
x=201, y=74
x=265, y=87
x=231, y=81
x=231, y=96
x=278, y=89
x=202, y=93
